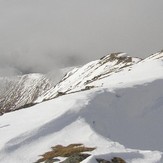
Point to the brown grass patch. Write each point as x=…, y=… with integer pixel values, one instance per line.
x=64, y=151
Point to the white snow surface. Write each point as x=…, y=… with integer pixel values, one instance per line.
x=121, y=117
x=83, y=77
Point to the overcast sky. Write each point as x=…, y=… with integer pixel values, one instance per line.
x=41, y=35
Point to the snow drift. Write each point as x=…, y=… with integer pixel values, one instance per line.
x=121, y=115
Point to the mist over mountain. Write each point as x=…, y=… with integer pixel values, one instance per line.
x=81, y=81
x=39, y=36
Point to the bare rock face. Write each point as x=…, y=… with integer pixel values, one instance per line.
x=114, y=160
x=76, y=158
x=100, y=160
x=117, y=160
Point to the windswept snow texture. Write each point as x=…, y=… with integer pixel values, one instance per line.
x=18, y=91
x=83, y=78
x=22, y=91
x=121, y=117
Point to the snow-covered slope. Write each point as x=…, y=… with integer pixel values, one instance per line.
x=82, y=78
x=21, y=91
x=95, y=118
x=26, y=90
x=119, y=115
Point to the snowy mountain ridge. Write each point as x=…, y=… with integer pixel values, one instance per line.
x=120, y=114
x=22, y=90
x=26, y=90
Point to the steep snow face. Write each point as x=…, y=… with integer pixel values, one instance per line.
x=97, y=118
x=131, y=116
x=82, y=78
x=22, y=90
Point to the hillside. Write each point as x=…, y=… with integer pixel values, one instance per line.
x=27, y=90
x=114, y=105
x=21, y=91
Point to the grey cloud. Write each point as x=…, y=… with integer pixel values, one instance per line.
x=10, y=71
x=38, y=36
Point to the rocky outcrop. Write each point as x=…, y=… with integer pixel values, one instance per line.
x=76, y=158
x=114, y=160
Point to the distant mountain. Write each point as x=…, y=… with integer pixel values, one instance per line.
x=22, y=91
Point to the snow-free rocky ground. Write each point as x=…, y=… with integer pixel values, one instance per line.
x=114, y=104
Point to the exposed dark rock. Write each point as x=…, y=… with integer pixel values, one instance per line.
x=61, y=93
x=114, y=160
x=89, y=87
x=117, y=160
x=52, y=160
x=1, y=113
x=76, y=158
x=99, y=160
